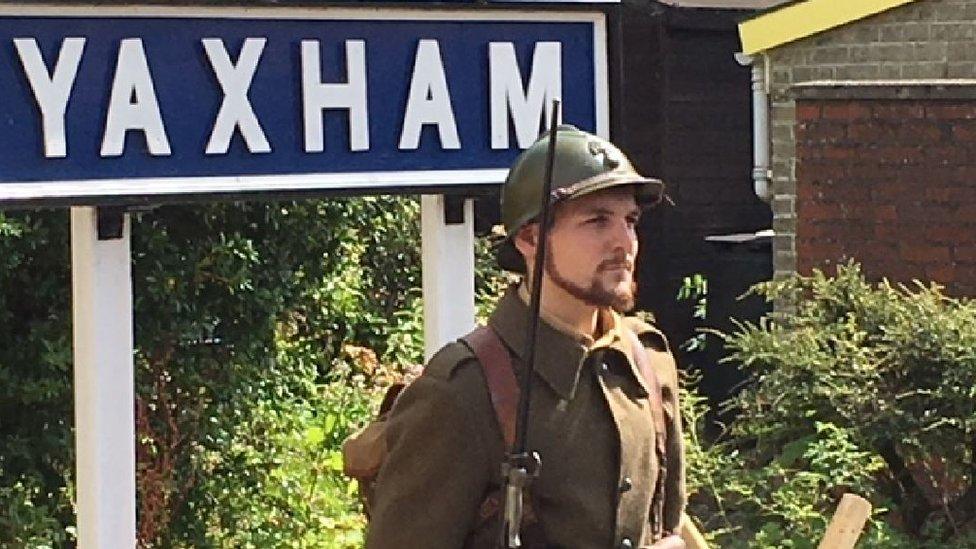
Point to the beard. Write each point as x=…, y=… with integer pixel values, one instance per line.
x=619, y=297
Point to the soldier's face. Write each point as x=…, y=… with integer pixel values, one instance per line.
x=593, y=248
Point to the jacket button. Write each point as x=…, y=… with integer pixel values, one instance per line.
x=626, y=484
x=626, y=544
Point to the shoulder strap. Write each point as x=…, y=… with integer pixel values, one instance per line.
x=653, y=383
x=502, y=385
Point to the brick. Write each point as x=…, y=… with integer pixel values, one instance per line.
x=838, y=152
x=946, y=154
x=781, y=76
x=858, y=72
x=960, y=51
x=887, y=212
x=784, y=185
x=784, y=260
x=890, y=71
x=937, y=194
x=820, y=251
x=906, y=32
x=943, y=233
x=964, y=69
x=807, y=73
x=940, y=273
x=876, y=251
x=931, y=51
x=784, y=242
x=949, y=111
x=900, y=154
x=893, y=33
x=806, y=111
x=910, y=176
x=924, y=70
x=846, y=110
x=784, y=223
x=946, y=11
x=964, y=132
x=953, y=31
x=967, y=211
x=878, y=52
x=855, y=34
x=898, y=110
x=851, y=193
x=783, y=112
x=922, y=212
x=920, y=131
x=923, y=11
x=924, y=254
x=868, y=131
x=784, y=205
x=819, y=211
x=887, y=232
x=964, y=253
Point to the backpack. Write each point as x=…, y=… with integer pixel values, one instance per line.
x=364, y=452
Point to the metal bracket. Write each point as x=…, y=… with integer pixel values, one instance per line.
x=110, y=222
x=454, y=209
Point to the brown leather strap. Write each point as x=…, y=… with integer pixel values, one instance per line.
x=503, y=388
x=502, y=384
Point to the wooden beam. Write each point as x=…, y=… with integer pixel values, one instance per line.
x=692, y=537
x=848, y=522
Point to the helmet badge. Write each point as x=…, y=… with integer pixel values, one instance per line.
x=608, y=156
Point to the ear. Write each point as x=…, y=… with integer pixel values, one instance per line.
x=526, y=240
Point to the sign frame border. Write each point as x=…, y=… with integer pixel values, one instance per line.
x=157, y=190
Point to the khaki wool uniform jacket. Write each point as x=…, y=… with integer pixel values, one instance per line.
x=589, y=420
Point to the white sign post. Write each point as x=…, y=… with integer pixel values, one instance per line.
x=101, y=279
x=448, y=273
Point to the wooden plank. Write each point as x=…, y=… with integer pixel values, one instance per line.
x=848, y=522
x=690, y=535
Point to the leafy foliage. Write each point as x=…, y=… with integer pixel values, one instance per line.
x=258, y=328
x=864, y=388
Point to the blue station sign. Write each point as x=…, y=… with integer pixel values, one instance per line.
x=155, y=102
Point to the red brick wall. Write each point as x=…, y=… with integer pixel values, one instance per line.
x=891, y=184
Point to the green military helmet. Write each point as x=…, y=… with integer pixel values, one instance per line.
x=584, y=164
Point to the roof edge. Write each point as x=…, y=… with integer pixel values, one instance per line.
x=792, y=22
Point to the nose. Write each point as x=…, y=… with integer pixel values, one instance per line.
x=624, y=236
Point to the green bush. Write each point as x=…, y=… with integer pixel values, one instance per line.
x=863, y=387
x=264, y=334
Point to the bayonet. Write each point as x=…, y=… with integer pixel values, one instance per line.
x=522, y=466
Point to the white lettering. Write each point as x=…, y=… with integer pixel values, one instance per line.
x=236, y=111
x=51, y=92
x=351, y=95
x=507, y=93
x=429, y=101
x=133, y=104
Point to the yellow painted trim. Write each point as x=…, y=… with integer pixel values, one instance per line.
x=800, y=20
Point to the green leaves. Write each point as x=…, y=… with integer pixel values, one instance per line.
x=858, y=386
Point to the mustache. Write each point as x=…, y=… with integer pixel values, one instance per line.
x=616, y=263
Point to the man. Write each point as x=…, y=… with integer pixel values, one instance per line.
x=606, y=480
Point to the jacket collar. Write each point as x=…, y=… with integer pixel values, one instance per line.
x=560, y=354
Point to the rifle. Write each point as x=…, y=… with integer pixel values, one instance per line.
x=520, y=466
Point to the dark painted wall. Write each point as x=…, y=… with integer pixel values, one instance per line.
x=682, y=109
